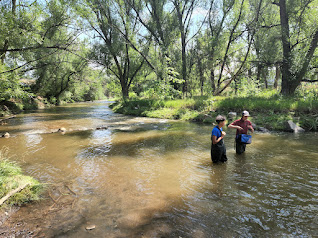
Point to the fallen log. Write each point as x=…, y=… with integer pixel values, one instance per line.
x=11, y=193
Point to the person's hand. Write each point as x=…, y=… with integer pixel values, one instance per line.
x=251, y=128
x=239, y=128
x=223, y=133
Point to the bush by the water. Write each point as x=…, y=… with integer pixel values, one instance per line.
x=268, y=109
x=11, y=177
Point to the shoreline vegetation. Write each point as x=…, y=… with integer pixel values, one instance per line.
x=270, y=111
x=15, y=106
x=15, y=187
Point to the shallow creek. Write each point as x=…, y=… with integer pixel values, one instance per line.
x=154, y=178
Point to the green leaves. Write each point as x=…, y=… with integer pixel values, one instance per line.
x=151, y=47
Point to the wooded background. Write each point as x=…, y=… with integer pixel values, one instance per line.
x=83, y=50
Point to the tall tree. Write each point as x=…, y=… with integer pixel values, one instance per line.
x=293, y=73
x=214, y=34
x=184, y=10
x=117, y=42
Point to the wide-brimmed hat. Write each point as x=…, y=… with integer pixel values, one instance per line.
x=245, y=114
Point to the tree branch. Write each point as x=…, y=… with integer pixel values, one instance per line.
x=309, y=81
x=309, y=55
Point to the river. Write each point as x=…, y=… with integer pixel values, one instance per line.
x=146, y=177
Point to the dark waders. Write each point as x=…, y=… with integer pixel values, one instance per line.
x=218, y=152
x=239, y=146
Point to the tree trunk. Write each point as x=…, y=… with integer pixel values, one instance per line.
x=202, y=84
x=212, y=81
x=313, y=45
x=264, y=75
x=291, y=81
x=277, y=76
x=5, y=48
x=6, y=42
x=124, y=88
x=259, y=73
x=249, y=72
x=288, y=81
x=230, y=41
x=14, y=6
x=200, y=73
x=235, y=86
x=184, y=63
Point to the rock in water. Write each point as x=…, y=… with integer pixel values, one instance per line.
x=62, y=129
x=101, y=128
x=90, y=227
x=292, y=127
x=6, y=135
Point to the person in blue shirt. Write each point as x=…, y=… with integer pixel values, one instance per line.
x=218, y=150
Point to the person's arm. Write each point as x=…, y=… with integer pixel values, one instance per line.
x=232, y=125
x=250, y=127
x=215, y=141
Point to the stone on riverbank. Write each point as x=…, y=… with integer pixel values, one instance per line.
x=292, y=127
x=232, y=115
x=6, y=135
x=262, y=129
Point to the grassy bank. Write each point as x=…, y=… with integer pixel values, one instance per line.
x=270, y=111
x=11, y=178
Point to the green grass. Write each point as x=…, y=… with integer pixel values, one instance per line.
x=263, y=104
x=268, y=110
x=11, y=177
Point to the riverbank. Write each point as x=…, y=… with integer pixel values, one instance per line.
x=270, y=112
x=15, y=106
x=15, y=188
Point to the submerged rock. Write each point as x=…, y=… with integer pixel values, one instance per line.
x=292, y=127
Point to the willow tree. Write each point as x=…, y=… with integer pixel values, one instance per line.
x=116, y=46
x=215, y=35
x=160, y=27
x=35, y=37
x=299, y=47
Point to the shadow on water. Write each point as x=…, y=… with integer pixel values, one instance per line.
x=133, y=144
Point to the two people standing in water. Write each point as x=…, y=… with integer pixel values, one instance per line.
x=218, y=150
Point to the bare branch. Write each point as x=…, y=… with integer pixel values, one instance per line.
x=309, y=81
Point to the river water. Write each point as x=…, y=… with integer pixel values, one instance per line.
x=146, y=177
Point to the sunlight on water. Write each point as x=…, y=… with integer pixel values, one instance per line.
x=152, y=178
